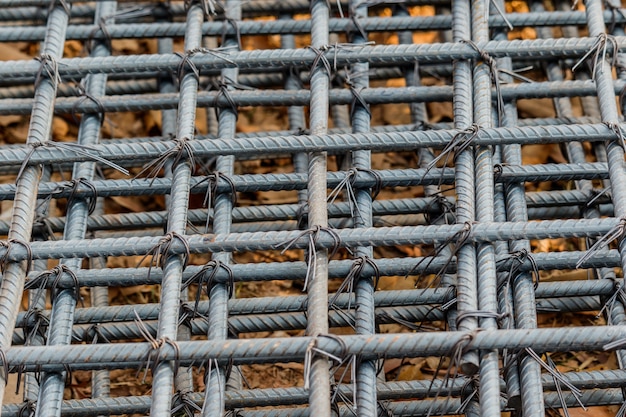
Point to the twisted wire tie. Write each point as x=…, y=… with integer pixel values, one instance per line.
x=82, y=150
x=459, y=142
x=67, y=8
x=95, y=334
x=458, y=239
x=211, y=192
x=28, y=407
x=74, y=187
x=209, y=7
x=312, y=236
x=43, y=226
x=161, y=251
x=355, y=274
x=187, y=64
x=610, y=302
x=106, y=35
x=49, y=68
x=312, y=350
x=33, y=323
x=598, y=53
x=181, y=401
x=348, y=183
x=201, y=278
x=153, y=358
x=8, y=245
x=617, y=129
x=224, y=86
x=182, y=150
x=493, y=69
x=557, y=376
x=321, y=58
x=521, y=256
x=235, y=24
x=41, y=282
x=357, y=98
x=617, y=232
x=456, y=352
x=85, y=95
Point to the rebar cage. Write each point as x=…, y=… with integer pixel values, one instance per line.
x=401, y=202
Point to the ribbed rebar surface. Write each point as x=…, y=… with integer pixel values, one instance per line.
x=312, y=207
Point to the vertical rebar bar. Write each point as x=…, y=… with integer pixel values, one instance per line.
x=12, y=286
x=317, y=289
x=173, y=265
x=216, y=383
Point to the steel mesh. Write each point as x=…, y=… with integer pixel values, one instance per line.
x=392, y=202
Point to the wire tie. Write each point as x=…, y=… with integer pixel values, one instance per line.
x=615, y=8
x=41, y=282
x=479, y=314
x=518, y=259
x=357, y=98
x=557, y=376
x=106, y=35
x=459, y=143
x=455, y=354
x=187, y=64
x=74, y=187
x=355, y=274
x=182, y=150
x=209, y=7
x=213, y=366
x=85, y=95
x=387, y=317
x=617, y=129
x=610, y=302
x=161, y=251
x=457, y=240
x=28, y=407
x=615, y=233
x=383, y=409
x=49, y=69
x=347, y=183
x=153, y=359
x=598, y=53
x=33, y=323
x=183, y=405
x=501, y=13
x=440, y=205
x=67, y=8
x=82, y=150
x=596, y=195
x=95, y=334
x=223, y=87
x=235, y=24
x=378, y=180
x=312, y=236
x=8, y=244
x=320, y=57
x=5, y=364
x=302, y=215
x=212, y=192
x=43, y=226
x=335, y=388
x=312, y=351
x=358, y=27
x=212, y=268
x=493, y=69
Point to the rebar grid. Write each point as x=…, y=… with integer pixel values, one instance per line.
x=351, y=190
